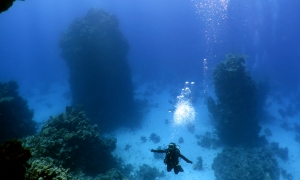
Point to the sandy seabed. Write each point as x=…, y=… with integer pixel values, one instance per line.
x=154, y=121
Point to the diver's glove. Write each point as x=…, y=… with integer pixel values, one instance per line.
x=152, y=150
x=190, y=161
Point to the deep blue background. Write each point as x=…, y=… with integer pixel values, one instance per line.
x=168, y=40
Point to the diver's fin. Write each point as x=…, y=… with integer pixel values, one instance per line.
x=180, y=169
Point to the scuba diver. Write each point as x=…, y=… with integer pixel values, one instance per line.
x=171, y=158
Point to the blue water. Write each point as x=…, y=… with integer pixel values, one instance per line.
x=172, y=37
x=171, y=42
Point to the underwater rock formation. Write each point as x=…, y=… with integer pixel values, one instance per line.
x=100, y=77
x=235, y=110
x=13, y=160
x=15, y=116
x=73, y=143
x=5, y=5
x=245, y=163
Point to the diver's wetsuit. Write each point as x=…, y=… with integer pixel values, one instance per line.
x=171, y=159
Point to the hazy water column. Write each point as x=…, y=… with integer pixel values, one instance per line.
x=212, y=15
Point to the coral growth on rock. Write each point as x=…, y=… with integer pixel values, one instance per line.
x=45, y=169
x=246, y=163
x=154, y=138
x=147, y=172
x=15, y=116
x=73, y=143
x=199, y=165
x=100, y=77
x=111, y=174
x=235, y=110
x=5, y=5
x=282, y=153
x=208, y=140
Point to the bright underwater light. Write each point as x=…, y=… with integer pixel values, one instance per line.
x=184, y=111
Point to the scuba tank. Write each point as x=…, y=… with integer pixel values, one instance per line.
x=172, y=154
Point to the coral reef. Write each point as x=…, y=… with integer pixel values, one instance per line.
x=286, y=175
x=13, y=160
x=5, y=5
x=267, y=132
x=191, y=127
x=286, y=126
x=199, y=165
x=289, y=111
x=146, y=172
x=127, y=147
x=100, y=78
x=143, y=139
x=297, y=128
x=154, y=138
x=208, y=140
x=127, y=169
x=283, y=153
x=245, y=163
x=297, y=138
x=297, y=131
x=235, y=110
x=111, y=174
x=45, y=169
x=73, y=143
x=15, y=116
